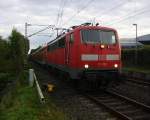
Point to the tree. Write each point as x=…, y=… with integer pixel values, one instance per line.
x=19, y=49
x=5, y=55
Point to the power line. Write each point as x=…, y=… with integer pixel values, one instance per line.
x=48, y=27
x=45, y=35
x=79, y=11
x=58, y=16
x=113, y=8
x=36, y=25
x=52, y=27
x=133, y=15
x=61, y=12
x=57, y=19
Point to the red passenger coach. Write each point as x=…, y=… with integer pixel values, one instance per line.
x=85, y=52
x=40, y=55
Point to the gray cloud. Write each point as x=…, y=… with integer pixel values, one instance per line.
x=14, y=13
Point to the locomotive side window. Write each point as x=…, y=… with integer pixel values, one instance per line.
x=98, y=36
x=57, y=44
x=71, y=38
x=49, y=48
x=61, y=42
x=54, y=45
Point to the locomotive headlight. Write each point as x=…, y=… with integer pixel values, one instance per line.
x=102, y=46
x=86, y=66
x=116, y=65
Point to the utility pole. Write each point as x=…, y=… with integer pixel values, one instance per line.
x=57, y=31
x=136, y=49
x=26, y=24
x=26, y=34
x=25, y=30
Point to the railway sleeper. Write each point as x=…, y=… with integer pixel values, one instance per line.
x=130, y=111
x=141, y=117
x=121, y=108
x=107, y=100
x=135, y=113
x=113, y=104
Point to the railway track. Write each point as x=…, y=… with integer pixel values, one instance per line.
x=138, y=81
x=121, y=106
x=75, y=105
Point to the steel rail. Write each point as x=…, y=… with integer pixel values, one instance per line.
x=120, y=114
x=141, y=105
x=138, y=81
x=113, y=111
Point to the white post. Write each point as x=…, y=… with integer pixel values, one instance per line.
x=39, y=89
x=31, y=77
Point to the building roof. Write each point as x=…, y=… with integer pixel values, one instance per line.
x=129, y=42
x=144, y=38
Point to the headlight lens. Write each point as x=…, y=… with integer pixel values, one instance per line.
x=102, y=46
x=116, y=65
x=86, y=66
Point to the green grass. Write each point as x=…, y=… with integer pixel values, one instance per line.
x=23, y=106
x=147, y=46
x=6, y=76
x=22, y=103
x=137, y=69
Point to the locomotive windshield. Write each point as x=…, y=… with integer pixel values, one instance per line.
x=98, y=36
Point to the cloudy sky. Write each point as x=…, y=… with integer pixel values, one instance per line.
x=119, y=14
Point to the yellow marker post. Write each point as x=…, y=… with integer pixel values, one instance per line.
x=50, y=87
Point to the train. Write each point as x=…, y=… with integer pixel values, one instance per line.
x=86, y=54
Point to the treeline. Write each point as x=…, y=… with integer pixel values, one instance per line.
x=13, y=52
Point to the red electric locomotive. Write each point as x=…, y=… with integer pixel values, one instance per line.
x=85, y=52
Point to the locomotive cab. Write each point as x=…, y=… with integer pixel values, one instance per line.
x=96, y=52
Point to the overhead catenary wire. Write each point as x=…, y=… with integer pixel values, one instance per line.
x=48, y=27
x=113, y=8
x=61, y=12
x=88, y=3
x=106, y=11
x=45, y=35
x=58, y=15
x=36, y=25
x=78, y=12
x=130, y=16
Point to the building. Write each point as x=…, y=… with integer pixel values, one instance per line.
x=145, y=39
x=129, y=43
